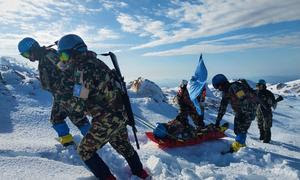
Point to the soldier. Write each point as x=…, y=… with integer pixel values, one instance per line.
x=99, y=88
x=180, y=125
x=264, y=111
x=186, y=106
x=55, y=81
x=243, y=102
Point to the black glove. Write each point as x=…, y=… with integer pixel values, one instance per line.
x=280, y=98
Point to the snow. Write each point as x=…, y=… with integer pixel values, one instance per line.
x=291, y=88
x=28, y=149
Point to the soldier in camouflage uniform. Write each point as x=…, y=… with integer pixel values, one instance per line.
x=99, y=88
x=180, y=125
x=243, y=102
x=57, y=83
x=264, y=111
x=186, y=106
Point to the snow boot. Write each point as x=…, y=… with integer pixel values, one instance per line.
x=143, y=174
x=136, y=166
x=98, y=167
x=224, y=127
x=63, y=132
x=267, y=137
x=262, y=134
x=66, y=140
x=236, y=146
x=111, y=177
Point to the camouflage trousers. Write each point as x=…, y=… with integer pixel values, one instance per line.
x=61, y=109
x=242, y=123
x=264, y=119
x=107, y=127
x=197, y=119
x=180, y=128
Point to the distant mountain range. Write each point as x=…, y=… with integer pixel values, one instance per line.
x=268, y=79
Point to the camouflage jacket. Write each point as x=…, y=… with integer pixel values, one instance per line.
x=267, y=100
x=241, y=98
x=97, y=85
x=52, y=79
x=184, y=101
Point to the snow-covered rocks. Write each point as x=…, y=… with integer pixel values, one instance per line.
x=146, y=88
x=291, y=88
x=15, y=75
x=28, y=149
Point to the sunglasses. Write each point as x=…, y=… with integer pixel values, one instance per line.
x=26, y=54
x=65, y=55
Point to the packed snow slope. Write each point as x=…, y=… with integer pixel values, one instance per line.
x=28, y=149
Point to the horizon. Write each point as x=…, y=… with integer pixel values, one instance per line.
x=158, y=41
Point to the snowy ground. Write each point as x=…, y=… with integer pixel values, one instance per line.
x=28, y=149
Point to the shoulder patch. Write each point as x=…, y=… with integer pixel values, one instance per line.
x=240, y=94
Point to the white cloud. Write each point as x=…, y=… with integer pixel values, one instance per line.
x=106, y=33
x=44, y=20
x=142, y=25
x=129, y=24
x=221, y=46
x=156, y=28
x=14, y=11
x=218, y=17
x=108, y=4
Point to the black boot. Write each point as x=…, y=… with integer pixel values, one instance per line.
x=267, y=138
x=98, y=167
x=135, y=164
x=262, y=134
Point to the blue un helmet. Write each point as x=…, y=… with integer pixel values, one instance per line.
x=26, y=45
x=69, y=44
x=218, y=80
x=262, y=82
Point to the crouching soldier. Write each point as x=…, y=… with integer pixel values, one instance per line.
x=186, y=106
x=99, y=88
x=243, y=102
x=180, y=127
x=56, y=82
x=264, y=111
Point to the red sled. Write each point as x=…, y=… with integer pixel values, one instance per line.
x=170, y=143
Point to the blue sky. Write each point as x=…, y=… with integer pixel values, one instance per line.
x=163, y=39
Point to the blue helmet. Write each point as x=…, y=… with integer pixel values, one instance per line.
x=261, y=81
x=71, y=42
x=219, y=79
x=26, y=44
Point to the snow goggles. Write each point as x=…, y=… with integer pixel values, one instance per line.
x=65, y=55
x=26, y=54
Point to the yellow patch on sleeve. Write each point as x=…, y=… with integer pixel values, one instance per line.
x=240, y=94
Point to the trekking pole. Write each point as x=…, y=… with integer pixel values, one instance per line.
x=143, y=121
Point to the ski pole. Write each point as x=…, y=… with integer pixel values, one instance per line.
x=143, y=121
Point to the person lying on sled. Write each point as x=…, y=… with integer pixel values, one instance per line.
x=180, y=128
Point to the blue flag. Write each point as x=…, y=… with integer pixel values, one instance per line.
x=197, y=84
